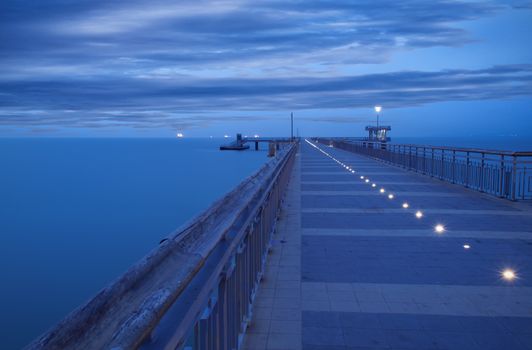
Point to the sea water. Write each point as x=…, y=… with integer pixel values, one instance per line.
x=76, y=213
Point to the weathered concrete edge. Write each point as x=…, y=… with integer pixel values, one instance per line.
x=105, y=314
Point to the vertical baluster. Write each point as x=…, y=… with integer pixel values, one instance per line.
x=442, y=171
x=424, y=161
x=432, y=163
x=501, y=180
x=481, y=175
x=514, y=174
x=410, y=157
x=523, y=188
x=467, y=170
x=453, y=167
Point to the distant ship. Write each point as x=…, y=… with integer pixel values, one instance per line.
x=180, y=135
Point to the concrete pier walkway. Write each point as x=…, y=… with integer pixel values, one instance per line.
x=353, y=269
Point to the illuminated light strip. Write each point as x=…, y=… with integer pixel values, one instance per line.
x=439, y=228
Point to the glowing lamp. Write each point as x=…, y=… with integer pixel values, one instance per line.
x=508, y=274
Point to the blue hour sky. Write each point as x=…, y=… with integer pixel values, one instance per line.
x=152, y=68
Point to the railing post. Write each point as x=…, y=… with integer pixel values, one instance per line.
x=514, y=176
x=482, y=162
x=424, y=161
x=453, y=166
x=523, y=188
x=467, y=170
x=442, y=171
x=417, y=160
x=501, y=180
x=432, y=163
x=409, y=157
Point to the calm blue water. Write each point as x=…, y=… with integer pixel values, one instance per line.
x=76, y=213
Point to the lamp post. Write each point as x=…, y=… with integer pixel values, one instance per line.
x=378, y=109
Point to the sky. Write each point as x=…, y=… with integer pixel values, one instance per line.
x=208, y=68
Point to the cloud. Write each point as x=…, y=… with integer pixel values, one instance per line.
x=99, y=64
x=135, y=38
x=159, y=103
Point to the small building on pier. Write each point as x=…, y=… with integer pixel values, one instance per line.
x=378, y=133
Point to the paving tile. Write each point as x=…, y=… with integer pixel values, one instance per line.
x=317, y=319
x=400, y=321
x=287, y=314
x=409, y=339
x=525, y=340
x=440, y=323
x=258, y=325
x=374, y=307
x=323, y=347
x=345, y=306
x=323, y=336
x=262, y=313
x=517, y=324
x=316, y=305
x=285, y=326
x=453, y=340
x=255, y=342
x=342, y=295
x=365, y=337
x=497, y=341
x=280, y=341
x=357, y=320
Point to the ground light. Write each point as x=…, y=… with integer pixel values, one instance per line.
x=508, y=274
x=405, y=205
x=439, y=228
x=419, y=214
x=382, y=190
x=467, y=246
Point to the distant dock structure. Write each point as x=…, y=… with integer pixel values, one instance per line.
x=241, y=143
x=238, y=145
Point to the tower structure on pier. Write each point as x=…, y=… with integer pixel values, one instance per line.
x=378, y=133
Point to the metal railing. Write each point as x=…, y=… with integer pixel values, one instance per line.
x=196, y=290
x=501, y=173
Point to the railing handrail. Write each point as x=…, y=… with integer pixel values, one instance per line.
x=123, y=314
x=505, y=174
x=457, y=149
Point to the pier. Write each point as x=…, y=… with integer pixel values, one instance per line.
x=241, y=143
x=334, y=245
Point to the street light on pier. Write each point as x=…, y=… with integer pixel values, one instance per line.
x=378, y=110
